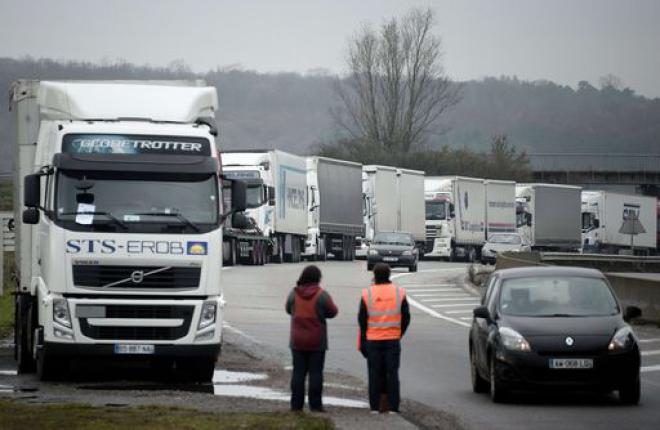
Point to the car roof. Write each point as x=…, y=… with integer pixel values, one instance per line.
x=524, y=272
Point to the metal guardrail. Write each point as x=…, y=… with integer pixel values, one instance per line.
x=614, y=258
x=8, y=235
x=592, y=162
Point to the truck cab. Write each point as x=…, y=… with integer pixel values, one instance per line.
x=119, y=244
x=439, y=228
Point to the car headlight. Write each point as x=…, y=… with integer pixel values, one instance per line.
x=207, y=316
x=373, y=252
x=513, y=340
x=407, y=253
x=61, y=312
x=623, y=339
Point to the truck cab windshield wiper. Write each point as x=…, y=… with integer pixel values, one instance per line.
x=108, y=215
x=176, y=215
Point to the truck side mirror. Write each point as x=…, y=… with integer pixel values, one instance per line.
x=451, y=210
x=596, y=223
x=239, y=221
x=31, y=216
x=238, y=196
x=529, y=220
x=32, y=190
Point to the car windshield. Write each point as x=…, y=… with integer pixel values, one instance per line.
x=557, y=296
x=130, y=200
x=513, y=239
x=436, y=210
x=393, y=239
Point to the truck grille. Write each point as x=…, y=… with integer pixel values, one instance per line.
x=140, y=332
x=432, y=231
x=136, y=276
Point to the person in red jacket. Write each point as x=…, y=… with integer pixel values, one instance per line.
x=309, y=306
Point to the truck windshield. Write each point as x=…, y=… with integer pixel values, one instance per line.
x=560, y=296
x=255, y=195
x=136, y=202
x=436, y=210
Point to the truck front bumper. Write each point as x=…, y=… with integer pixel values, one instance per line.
x=441, y=248
x=106, y=350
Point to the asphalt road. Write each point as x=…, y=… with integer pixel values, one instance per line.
x=435, y=361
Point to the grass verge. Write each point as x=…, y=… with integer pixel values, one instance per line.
x=7, y=300
x=20, y=416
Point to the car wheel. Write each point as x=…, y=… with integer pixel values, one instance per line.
x=370, y=267
x=630, y=393
x=479, y=384
x=412, y=268
x=498, y=392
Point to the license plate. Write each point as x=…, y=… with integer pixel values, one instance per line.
x=134, y=349
x=571, y=363
x=390, y=259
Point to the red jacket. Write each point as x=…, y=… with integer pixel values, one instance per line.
x=309, y=306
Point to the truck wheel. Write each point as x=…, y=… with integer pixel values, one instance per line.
x=23, y=348
x=279, y=258
x=322, y=252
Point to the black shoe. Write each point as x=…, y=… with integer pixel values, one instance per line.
x=318, y=410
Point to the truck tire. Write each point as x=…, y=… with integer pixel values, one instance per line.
x=24, y=326
x=279, y=258
x=322, y=251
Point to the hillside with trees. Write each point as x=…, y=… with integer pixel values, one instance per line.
x=293, y=112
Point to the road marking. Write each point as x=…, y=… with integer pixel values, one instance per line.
x=645, y=369
x=8, y=372
x=455, y=305
x=460, y=311
x=466, y=318
x=447, y=296
x=226, y=268
x=426, y=309
x=647, y=353
x=431, y=290
x=649, y=340
x=413, y=286
x=450, y=299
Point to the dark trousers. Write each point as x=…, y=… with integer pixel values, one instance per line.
x=306, y=362
x=383, y=359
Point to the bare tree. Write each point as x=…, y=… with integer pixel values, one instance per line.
x=396, y=89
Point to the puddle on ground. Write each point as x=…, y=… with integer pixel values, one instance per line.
x=228, y=377
x=265, y=393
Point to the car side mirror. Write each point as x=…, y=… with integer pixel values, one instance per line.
x=240, y=221
x=31, y=216
x=631, y=313
x=596, y=223
x=481, y=312
x=32, y=190
x=238, y=196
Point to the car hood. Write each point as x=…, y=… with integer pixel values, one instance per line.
x=564, y=326
x=399, y=248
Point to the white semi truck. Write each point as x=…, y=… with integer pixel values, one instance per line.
x=500, y=207
x=604, y=213
x=410, y=198
x=277, y=204
x=118, y=249
x=455, y=217
x=548, y=216
x=335, y=208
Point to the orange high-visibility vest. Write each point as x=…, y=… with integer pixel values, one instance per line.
x=383, y=302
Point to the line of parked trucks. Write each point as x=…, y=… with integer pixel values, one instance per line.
x=126, y=209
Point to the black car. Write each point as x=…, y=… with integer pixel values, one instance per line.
x=553, y=327
x=394, y=248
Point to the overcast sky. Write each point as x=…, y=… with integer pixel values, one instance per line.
x=561, y=40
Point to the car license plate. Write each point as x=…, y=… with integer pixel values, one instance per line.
x=571, y=363
x=134, y=349
x=390, y=259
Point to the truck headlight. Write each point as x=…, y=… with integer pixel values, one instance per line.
x=373, y=252
x=407, y=253
x=207, y=317
x=622, y=340
x=61, y=312
x=513, y=340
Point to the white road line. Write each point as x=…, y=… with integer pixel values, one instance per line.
x=647, y=353
x=430, y=290
x=455, y=305
x=226, y=268
x=466, y=318
x=649, y=340
x=645, y=369
x=8, y=372
x=459, y=311
x=442, y=295
x=450, y=299
x=453, y=287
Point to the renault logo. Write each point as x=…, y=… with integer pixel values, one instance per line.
x=137, y=276
x=569, y=341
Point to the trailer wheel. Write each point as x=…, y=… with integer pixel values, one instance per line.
x=23, y=348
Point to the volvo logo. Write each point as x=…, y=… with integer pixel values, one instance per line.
x=137, y=276
x=569, y=341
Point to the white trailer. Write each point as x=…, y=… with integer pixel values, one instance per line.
x=603, y=216
x=335, y=218
x=410, y=219
x=548, y=216
x=500, y=207
x=118, y=250
x=277, y=205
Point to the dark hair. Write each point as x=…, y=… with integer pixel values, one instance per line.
x=381, y=273
x=310, y=275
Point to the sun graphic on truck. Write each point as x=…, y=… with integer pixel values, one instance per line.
x=196, y=248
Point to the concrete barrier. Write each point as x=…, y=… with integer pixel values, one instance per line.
x=641, y=289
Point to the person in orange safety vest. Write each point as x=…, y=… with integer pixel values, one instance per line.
x=384, y=317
